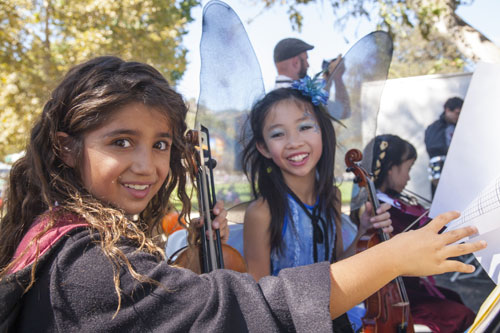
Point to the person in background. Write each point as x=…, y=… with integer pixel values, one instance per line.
x=291, y=61
x=438, y=137
x=440, y=309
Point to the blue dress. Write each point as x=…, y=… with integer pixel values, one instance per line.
x=298, y=246
x=298, y=250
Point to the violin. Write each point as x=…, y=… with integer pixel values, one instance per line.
x=204, y=255
x=388, y=310
x=410, y=213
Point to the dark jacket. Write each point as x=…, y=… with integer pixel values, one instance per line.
x=74, y=292
x=435, y=138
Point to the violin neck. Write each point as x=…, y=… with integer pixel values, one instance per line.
x=212, y=248
x=372, y=192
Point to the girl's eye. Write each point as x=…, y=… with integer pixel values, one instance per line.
x=276, y=134
x=124, y=143
x=305, y=127
x=162, y=145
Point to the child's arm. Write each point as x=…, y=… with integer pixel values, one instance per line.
x=256, y=239
x=415, y=253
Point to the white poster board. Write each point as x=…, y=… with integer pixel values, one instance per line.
x=470, y=178
x=408, y=106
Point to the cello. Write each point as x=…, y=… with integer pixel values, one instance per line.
x=388, y=310
x=204, y=255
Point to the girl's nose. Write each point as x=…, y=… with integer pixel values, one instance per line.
x=143, y=162
x=294, y=140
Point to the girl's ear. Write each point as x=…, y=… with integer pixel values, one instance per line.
x=261, y=147
x=65, y=144
x=391, y=170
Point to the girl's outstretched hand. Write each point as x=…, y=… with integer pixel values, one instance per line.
x=427, y=252
x=381, y=220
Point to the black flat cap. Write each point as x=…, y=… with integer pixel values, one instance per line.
x=290, y=47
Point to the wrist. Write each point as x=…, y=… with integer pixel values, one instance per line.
x=395, y=261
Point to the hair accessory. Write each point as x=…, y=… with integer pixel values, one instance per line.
x=378, y=163
x=313, y=88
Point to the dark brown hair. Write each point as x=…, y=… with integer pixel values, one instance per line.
x=265, y=176
x=40, y=180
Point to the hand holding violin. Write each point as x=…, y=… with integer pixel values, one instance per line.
x=218, y=223
x=380, y=221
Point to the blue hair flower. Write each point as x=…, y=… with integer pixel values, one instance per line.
x=313, y=88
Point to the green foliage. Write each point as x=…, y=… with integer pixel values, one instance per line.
x=41, y=40
x=391, y=14
x=414, y=55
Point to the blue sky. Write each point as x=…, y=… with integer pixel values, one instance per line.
x=266, y=28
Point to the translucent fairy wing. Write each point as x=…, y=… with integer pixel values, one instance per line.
x=357, y=83
x=230, y=82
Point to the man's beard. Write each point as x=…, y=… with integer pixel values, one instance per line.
x=303, y=69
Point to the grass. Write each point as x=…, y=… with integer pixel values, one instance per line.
x=346, y=190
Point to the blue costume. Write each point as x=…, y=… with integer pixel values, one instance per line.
x=298, y=239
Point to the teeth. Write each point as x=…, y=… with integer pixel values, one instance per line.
x=137, y=187
x=298, y=158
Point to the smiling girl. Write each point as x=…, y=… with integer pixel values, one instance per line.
x=289, y=160
x=109, y=146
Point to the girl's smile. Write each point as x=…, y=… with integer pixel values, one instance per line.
x=126, y=161
x=138, y=191
x=298, y=158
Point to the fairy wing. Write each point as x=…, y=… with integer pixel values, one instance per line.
x=357, y=83
x=230, y=82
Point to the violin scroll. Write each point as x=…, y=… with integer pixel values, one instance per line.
x=352, y=159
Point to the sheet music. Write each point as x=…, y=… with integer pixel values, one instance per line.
x=484, y=213
x=472, y=162
x=469, y=180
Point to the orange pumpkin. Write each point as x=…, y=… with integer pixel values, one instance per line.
x=170, y=223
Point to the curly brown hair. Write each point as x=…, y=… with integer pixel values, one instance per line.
x=40, y=180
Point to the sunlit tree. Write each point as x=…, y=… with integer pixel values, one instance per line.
x=41, y=40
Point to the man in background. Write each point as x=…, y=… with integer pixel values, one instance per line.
x=438, y=137
x=291, y=61
x=290, y=58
